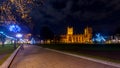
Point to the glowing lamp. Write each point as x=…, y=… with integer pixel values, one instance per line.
x=19, y=35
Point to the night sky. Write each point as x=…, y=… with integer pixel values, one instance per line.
x=102, y=15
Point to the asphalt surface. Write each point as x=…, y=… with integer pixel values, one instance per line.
x=36, y=57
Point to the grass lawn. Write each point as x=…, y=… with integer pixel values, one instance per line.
x=5, y=52
x=105, y=58
x=109, y=52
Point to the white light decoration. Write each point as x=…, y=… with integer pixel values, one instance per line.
x=14, y=28
x=19, y=35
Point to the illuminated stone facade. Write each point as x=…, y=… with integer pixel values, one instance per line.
x=70, y=37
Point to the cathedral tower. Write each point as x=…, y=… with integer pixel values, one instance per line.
x=69, y=31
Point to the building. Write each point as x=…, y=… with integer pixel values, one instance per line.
x=70, y=37
x=114, y=39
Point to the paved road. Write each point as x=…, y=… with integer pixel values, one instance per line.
x=37, y=57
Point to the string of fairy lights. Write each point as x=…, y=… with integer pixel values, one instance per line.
x=10, y=7
x=6, y=35
x=23, y=7
x=6, y=14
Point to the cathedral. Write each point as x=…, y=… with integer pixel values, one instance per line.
x=70, y=37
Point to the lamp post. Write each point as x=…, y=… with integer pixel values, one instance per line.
x=18, y=36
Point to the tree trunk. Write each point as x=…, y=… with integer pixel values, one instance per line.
x=15, y=44
x=11, y=42
x=2, y=43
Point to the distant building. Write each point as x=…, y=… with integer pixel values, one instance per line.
x=114, y=39
x=70, y=37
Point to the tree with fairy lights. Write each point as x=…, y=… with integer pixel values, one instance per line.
x=15, y=11
x=4, y=34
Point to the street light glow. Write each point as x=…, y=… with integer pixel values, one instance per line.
x=19, y=35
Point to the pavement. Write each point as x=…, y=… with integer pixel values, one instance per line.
x=36, y=57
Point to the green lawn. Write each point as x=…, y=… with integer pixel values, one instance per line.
x=107, y=52
x=7, y=50
x=93, y=56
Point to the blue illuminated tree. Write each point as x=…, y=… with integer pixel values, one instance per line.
x=99, y=38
